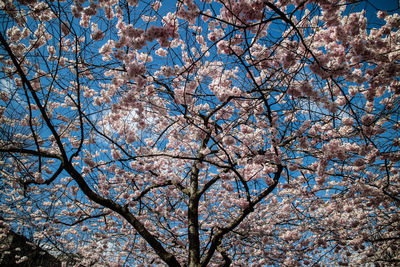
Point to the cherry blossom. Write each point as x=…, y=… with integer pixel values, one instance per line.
x=201, y=133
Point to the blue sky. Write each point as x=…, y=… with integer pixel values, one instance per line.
x=385, y=5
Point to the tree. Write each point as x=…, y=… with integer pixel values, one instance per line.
x=202, y=133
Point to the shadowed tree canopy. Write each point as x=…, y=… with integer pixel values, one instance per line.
x=202, y=133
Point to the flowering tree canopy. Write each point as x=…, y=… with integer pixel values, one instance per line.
x=201, y=133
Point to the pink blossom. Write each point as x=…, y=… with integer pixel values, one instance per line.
x=228, y=186
x=14, y=34
x=133, y=2
x=4, y=96
x=39, y=178
x=161, y=52
x=381, y=14
x=228, y=140
x=116, y=154
x=367, y=119
x=242, y=203
x=156, y=5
